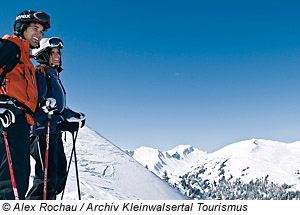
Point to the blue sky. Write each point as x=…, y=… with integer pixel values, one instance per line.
x=162, y=73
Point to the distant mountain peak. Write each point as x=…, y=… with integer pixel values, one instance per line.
x=180, y=151
x=248, y=160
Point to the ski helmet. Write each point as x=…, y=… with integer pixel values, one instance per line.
x=43, y=52
x=28, y=16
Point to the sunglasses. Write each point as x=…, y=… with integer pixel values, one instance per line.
x=56, y=42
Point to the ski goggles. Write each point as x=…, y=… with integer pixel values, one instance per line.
x=42, y=17
x=56, y=42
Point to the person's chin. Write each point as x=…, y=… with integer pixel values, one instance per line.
x=35, y=45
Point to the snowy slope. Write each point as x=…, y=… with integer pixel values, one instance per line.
x=256, y=158
x=108, y=173
x=250, y=159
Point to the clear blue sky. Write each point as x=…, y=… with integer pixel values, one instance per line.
x=162, y=73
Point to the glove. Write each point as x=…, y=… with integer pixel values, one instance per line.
x=79, y=117
x=7, y=117
x=49, y=106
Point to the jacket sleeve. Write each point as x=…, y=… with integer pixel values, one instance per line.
x=41, y=86
x=9, y=55
x=42, y=89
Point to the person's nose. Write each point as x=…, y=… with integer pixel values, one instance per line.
x=40, y=34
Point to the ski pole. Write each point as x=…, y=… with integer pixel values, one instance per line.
x=76, y=168
x=11, y=170
x=46, y=158
x=62, y=195
x=69, y=165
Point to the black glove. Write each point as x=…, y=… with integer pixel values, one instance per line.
x=7, y=117
x=79, y=117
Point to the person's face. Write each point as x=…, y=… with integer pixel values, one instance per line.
x=55, y=56
x=34, y=33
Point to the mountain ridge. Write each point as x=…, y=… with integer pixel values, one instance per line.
x=248, y=160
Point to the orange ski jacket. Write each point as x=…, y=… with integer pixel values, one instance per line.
x=20, y=82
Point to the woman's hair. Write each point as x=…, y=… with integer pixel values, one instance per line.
x=41, y=68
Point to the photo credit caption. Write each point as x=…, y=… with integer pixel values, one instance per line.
x=143, y=207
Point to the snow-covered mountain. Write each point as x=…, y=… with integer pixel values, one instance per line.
x=175, y=161
x=247, y=160
x=108, y=173
x=256, y=158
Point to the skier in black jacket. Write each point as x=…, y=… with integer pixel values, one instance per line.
x=51, y=90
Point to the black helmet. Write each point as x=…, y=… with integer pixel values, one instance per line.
x=43, y=52
x=29, y=16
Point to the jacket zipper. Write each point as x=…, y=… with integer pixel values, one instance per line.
x=23, y=76
x=4, y=84
x=63, y=92
x=35, y=90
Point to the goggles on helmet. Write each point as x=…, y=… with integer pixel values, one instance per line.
x=43, y=52
x=42, y=17
x=46, y=44
x=55, y=42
